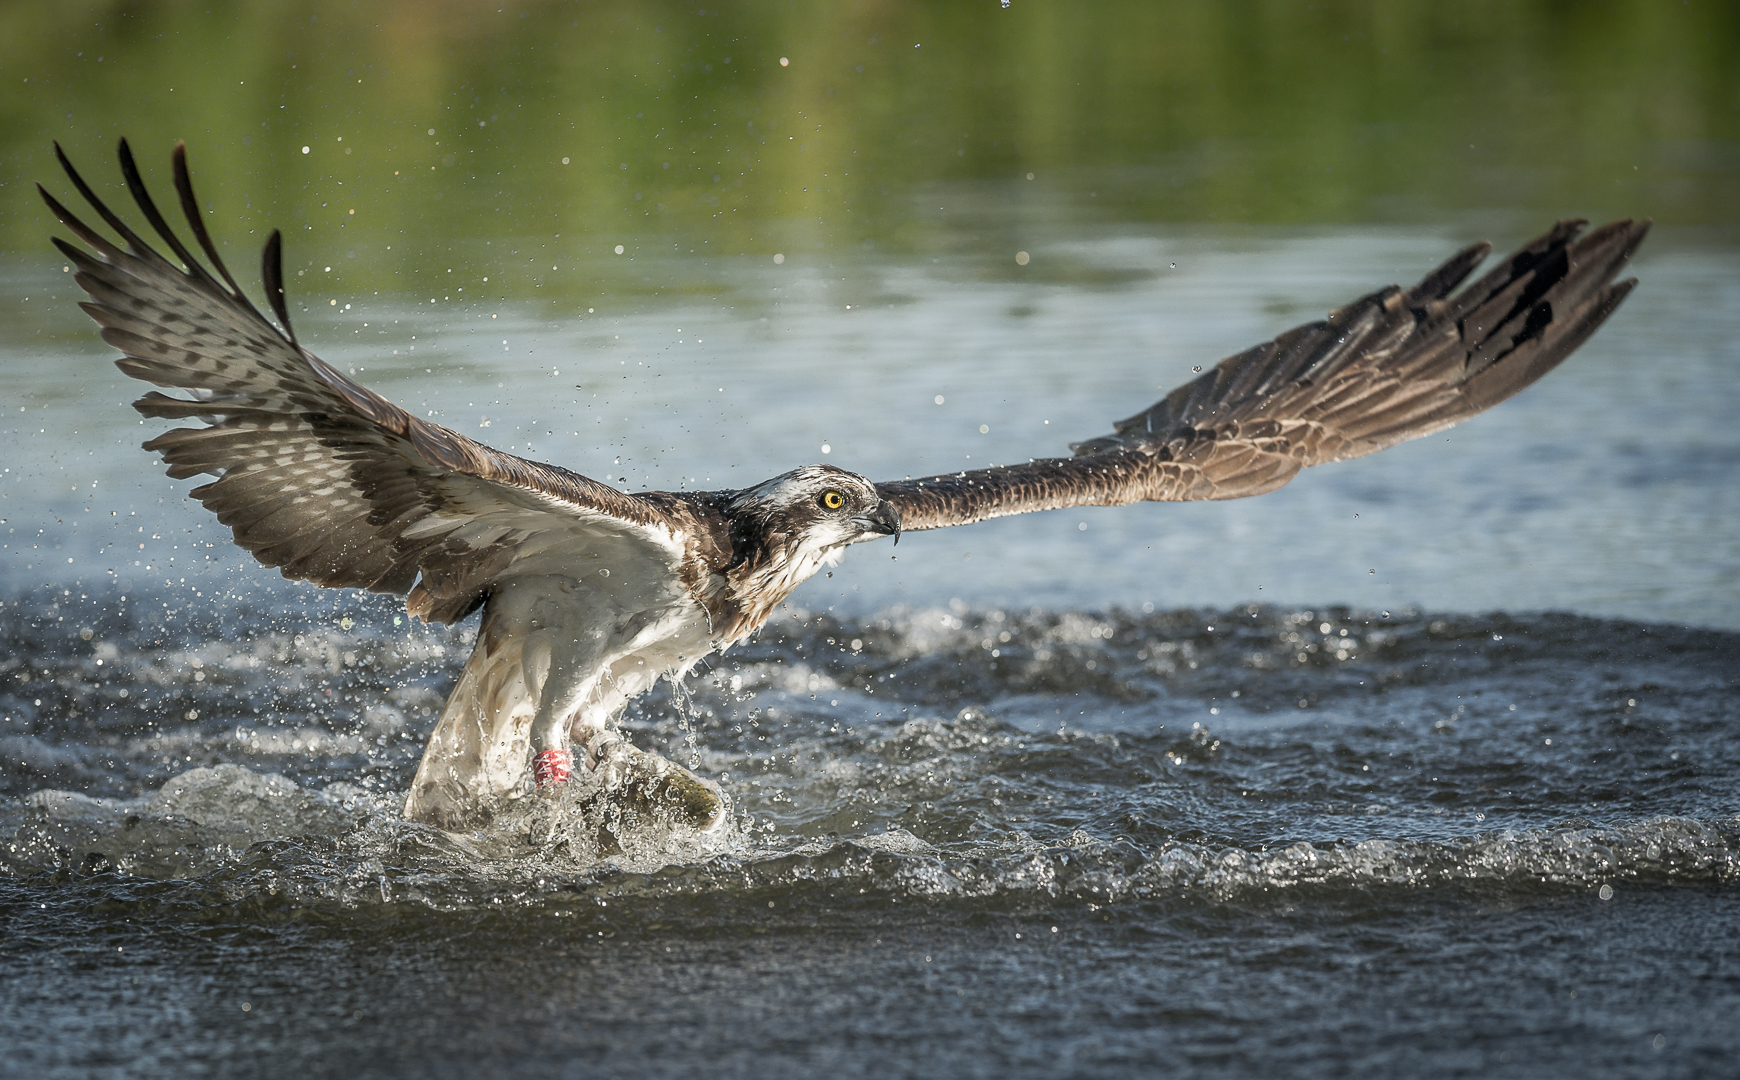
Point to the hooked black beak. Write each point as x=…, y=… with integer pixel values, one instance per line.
x=883, y=521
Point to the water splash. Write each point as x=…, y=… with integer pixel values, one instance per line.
x=988, y=756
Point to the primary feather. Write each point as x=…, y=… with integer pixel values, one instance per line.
x=316, y=475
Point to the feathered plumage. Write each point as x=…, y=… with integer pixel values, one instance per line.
x=1391, y=366
x=591, y=593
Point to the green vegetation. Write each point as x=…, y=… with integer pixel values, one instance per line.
x=681, y=130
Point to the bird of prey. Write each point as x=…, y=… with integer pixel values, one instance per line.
x=590, y=594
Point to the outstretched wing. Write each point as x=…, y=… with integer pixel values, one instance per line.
x=317, y=475
x=1388, y=367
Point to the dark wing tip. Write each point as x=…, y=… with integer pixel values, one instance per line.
x=1634, y=231
x=190, y=210
x=1563, y=231
x=124, y=151
x=272, y=273
x=1442, y=281
x=1616, y=293
x=148, y=206
x=85, y=233
x=195, y=270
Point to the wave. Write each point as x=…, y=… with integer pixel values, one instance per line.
x=243, y=836
x=968, y=755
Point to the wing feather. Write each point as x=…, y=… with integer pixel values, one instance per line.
x=315, y=474
x=1391, y=366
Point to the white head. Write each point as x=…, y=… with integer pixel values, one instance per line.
x=787, y=528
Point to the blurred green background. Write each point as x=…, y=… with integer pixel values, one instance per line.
x=677, y=127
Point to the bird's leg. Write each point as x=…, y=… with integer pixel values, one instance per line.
x=552, y=760
x=551, y=744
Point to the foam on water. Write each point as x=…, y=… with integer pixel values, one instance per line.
x=947, y=754
x=260, y=836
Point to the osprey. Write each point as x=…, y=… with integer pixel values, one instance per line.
x=590, y=594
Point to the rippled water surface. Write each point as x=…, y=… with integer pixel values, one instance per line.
x=1243, y=788
x=1032, y=796
x=964, y=841
x=1425, y=765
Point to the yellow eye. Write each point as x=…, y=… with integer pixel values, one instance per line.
x=833, y=500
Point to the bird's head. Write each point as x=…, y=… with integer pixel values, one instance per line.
x=813, y=511
x=785, y=529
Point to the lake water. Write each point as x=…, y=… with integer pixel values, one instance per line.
x=1190, y=786
x=1424, y=765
